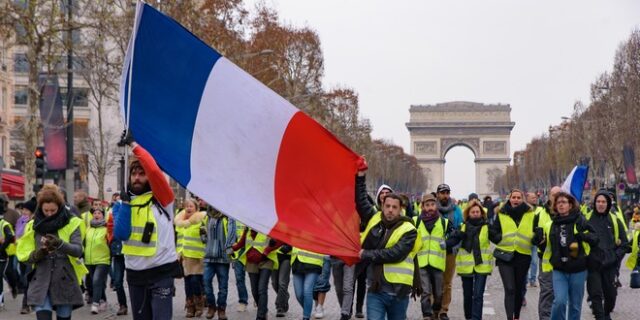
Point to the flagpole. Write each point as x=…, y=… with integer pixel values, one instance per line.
x=129, y=84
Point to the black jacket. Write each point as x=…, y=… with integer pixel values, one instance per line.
x=374, y=252
x=607, y=253
x=560, y=258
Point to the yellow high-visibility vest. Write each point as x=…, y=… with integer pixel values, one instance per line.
x=260, y=243
x=307, y=257
x=141, y=213
x=96, y=250
x=192, y=245
x=465, y=263
x=430, y=253
x=516, y=237
x=11, y=249
x=546, y=257
x=633, y=258
x=27, y=244
x=399, y=272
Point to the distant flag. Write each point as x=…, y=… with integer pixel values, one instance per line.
x=235, y=143
x=630, y=164
x=574, y=184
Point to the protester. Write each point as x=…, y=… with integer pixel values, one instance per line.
x=602, y=260
x=306, y=267
x=474, y=262
x=144, y=224
x=239, y=271
x=97, y=258
x=28, y=210
x=566, y=241
x=191, y=252
x=545, y=278
x=53, y=244
x=7, y=250
x=117, y=259
x=280, y=280
x=344, y=282
x=321, y=287
x=514, y=230
x=450, y=211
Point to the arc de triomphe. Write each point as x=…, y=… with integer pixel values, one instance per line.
x=484, y=129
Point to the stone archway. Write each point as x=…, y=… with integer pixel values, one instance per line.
x=484, y=129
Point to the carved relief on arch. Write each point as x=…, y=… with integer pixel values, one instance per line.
x=448, y=143
x=425, y=147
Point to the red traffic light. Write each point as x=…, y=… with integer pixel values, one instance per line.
x=39, y=153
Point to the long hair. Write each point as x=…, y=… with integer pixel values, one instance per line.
x=471, y=204
x=574, y=203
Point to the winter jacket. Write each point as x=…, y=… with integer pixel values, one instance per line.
x=371, y=255
x=607, y=253
x=562, y=232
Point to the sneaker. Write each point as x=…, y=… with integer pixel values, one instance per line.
x=94, y=308
x=242, y=307
x=103, y=306
x=533, y=284
x=25, y=310
x=360, y=315
x=280, y=313
x=319, y=312
x=122, y=311
x=345, y=317
x=444, y=316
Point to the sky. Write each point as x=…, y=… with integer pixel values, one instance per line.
x=538, y=56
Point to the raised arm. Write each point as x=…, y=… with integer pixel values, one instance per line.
x=159, y=184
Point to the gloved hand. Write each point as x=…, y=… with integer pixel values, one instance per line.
x=285, y=248
x=52, y=242
x=229, y=251
x=40, y=254
x=126, y=139
x=362, y=164
x=443, y=245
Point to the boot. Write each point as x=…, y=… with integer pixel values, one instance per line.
x=122, y=311
x=191, y=307
x=199, y=302
x=221, y=314
x=211, y=312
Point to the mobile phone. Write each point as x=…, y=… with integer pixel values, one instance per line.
x=147, y=232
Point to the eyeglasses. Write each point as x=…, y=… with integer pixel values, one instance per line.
x=562, y=202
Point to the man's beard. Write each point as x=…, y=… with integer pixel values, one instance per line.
x=444, y=202
x=138, y=188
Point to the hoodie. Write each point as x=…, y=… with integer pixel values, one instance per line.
x=607, y=252
x=382, y=187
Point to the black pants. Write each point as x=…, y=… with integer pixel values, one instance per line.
x=361, y=290
x=602, y=291
x=260, y=291
x=514, y=276
x=118, y=279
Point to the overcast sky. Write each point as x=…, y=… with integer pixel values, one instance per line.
x=538, y=56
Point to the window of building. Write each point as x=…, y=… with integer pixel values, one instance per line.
x=80, y=97
x=20, y=63
x=21, y=95
x=3, y=99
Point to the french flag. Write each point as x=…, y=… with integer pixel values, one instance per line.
x=574, y=184
x=234, y=142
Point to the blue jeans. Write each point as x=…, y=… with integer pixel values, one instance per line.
x=533, y=268
x=220, y=270
x=568, y=291
x=381, y=306
x=97, y=287
x=62, y=311
x=303, y=286
x=243, y=295
x=323, y=284
x=473, y=291
x=153, y=301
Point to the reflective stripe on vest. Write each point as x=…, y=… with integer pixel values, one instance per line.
x=430, y=253
x=140, y=215
x=399, y=272
x=96, y=250
x=633, y=258
x=516, y=238
x=11, y=249
x=192, y=245
x=260, y=243
x=307, y=257
x=465, y=263
x=27, y=244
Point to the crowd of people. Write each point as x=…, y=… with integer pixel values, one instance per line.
x=61, y=257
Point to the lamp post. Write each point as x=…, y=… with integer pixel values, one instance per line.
x=69, y=174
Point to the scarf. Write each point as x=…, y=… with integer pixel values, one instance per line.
x=97, y=223
x=471, y=243
x=50, y=225
x=564, y=231
x=429, y=216
x=515, y=213
x=446, y=209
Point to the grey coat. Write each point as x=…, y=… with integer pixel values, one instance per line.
x=55, y=276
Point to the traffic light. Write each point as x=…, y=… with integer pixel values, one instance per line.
x=41, y=169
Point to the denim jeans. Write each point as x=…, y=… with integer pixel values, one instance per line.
x=303, y=286
x=323, y=284
x=241, y=286
x=62, y=311
x=473, y=291
x=153, y=301
x=117, y=263
x=381, y=306
x=533, y=268
x=193, y=285
x=260, y=291
x=220, y=270
x=98, y=284
x=568, y=291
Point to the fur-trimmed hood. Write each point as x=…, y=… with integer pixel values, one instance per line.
x=181, y=221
